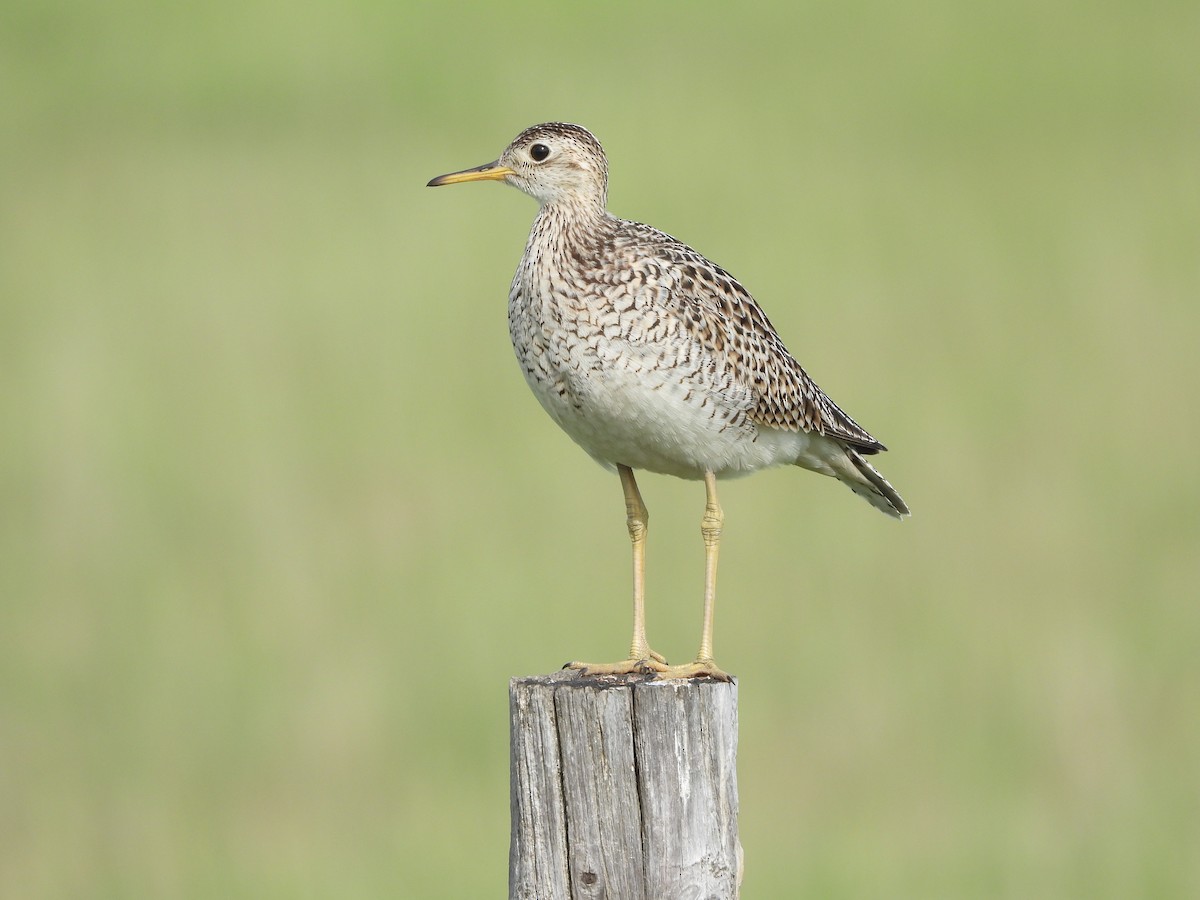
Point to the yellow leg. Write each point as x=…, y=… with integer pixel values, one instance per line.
x=710, y=530
x=637, y=519
x=641, y=657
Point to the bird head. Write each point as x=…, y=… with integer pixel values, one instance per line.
x=555, y=163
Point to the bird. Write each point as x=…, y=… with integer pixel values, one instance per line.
x=652, y=358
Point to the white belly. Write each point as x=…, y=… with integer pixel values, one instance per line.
x=624, y=404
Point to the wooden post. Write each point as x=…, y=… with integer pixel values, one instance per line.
x=623, y=788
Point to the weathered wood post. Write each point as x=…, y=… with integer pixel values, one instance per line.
x=623, y=788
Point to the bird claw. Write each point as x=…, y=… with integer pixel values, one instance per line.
x=649, y=665
x=701, y=668
x=653, y=665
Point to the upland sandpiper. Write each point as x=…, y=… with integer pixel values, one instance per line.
x=651, y=357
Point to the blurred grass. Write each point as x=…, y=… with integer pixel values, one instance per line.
x=279, y=518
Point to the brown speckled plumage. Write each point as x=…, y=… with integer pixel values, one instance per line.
x=597, y=298
x=697, y=301
x=651, y=357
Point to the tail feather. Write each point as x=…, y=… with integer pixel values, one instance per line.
x=864, y=479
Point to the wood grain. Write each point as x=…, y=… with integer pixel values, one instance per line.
x=623, y=788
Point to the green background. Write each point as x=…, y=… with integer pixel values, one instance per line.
x=280, y=518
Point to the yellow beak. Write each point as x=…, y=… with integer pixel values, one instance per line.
x=492, y=171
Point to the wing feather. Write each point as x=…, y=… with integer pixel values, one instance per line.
x=723, y=317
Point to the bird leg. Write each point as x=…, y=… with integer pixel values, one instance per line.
x=641, y=658
x=710, y=530
x=637, y=520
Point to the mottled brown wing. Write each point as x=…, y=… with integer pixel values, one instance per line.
x=722, y=316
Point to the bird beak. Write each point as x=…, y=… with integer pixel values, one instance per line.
x=492, y=171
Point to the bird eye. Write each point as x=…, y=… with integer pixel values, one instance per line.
x=539, y=152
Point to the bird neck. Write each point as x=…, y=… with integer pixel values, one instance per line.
x=569, y=224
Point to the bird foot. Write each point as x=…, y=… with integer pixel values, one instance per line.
x=654, y=664
x=701, y=668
